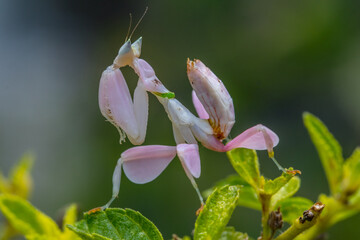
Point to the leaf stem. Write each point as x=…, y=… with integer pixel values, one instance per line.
x=303, y=223
x=265, y=202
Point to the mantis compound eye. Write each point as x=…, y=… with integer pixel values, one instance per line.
x=136, y=47
x=125, y=56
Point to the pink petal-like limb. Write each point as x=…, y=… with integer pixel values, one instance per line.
x=143, y=164
x=141, y=106
x=214, y=97
x=258, y=137
x=190, y=160
x=147, y=75
x=199, y=107
x=207, y=140
x=189, y=155
x=115, y=102
x=118, y=108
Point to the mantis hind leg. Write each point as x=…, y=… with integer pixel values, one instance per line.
x=116, y=179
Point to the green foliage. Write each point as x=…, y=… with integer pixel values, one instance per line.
x=116, y=223
x=343, y=179
x=231, y=234
x=216, y=213
x=328, y=148
x=271, y=187
x=351, y=173
x=32, y=223
x=19, y=181
x=286, y=191
x=248, y=188
x=246, y=164
x=292, y=208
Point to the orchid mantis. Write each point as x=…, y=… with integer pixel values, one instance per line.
x=212, y=102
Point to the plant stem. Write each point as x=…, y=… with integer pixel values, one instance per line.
x=303, y=223
x=265, y=202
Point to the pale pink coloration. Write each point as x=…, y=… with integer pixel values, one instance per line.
x=147, y=75
x=118, y=108
x=129, y=56
x=187, y=127
x=143, y=164
x=258, y=137
x=189, y=156
x=199, y=107
x=214, y=97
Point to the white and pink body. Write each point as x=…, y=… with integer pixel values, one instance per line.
x=212, y=102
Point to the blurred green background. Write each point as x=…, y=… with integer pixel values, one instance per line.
x=276, y=58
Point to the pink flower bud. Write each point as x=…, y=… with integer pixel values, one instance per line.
x=214, y=97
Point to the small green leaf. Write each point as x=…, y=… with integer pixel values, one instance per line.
x=19, y=182
x=328, y=148
x=292, y=208
x=216, y=213
x=288, y=190
x=230, y=234
x=273, y=186
x=25, y=218
x=69, y=218
x=246, y=164
x=351, y=180
x=116, y=223
x=248, y=196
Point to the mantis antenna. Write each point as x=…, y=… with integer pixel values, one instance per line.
x=127, y=35
x=138, y=22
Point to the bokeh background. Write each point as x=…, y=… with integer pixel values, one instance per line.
x=277, y=59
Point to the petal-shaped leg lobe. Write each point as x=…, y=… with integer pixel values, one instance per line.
x=189, y=155
x=115, y=101
x=258, y=137
x=141, y=109
x=143, y=164
x=147, y=75
x=199, y=107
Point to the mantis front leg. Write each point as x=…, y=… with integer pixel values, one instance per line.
x=127, y=115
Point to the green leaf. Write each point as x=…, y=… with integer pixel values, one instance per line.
x=216, y=213
x=246, y=164
x=19, y=182
x=273, y=186
x=248, y=196
x=230, y=234
x=116, y=223
x=328, y=148
x=342, y=211
x=288, y=190
x=351, y=173
x=69, y=218
x=292, y=208
x=25, y=218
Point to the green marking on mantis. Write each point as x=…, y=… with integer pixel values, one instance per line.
x=168, y=95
